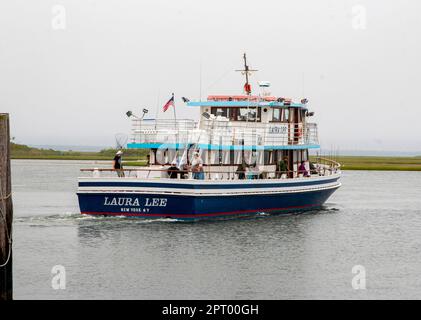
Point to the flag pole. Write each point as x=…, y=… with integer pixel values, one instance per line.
x=175, y=125
x=173, y=106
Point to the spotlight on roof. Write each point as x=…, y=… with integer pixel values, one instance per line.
x=130, y=114
x=185, y=100
x=206, y=115
x=280, y=99
x=145, y=111
x=304, y=101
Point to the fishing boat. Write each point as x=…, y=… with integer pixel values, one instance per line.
x=247, y=154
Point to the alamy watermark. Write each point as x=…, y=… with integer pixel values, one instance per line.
x=59, y=279
x=359, y=17
x=359, y=280
x=58, y=20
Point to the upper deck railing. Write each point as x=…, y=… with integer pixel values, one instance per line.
x=225, y=134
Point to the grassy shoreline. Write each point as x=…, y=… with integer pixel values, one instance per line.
x=138, y=158
x=379, y=163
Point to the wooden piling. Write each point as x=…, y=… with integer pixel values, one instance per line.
x=6, y=211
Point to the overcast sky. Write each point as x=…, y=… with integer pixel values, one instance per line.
x=70, y=82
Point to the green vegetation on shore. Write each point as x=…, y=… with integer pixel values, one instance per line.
x=20, y=151
x=379, y=163
x=138, y=158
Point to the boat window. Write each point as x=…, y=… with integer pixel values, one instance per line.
x=303, y=114
x=233, y=114
x=285, y=115
x=223, y=112
x=248, y=114
x=268, y=157
x=276, y=115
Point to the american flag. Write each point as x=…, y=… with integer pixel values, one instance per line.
x=169, y=103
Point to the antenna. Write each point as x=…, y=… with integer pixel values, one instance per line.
x=121, y=140
x=247, y=71
x=303, y=83
x=157, y=107
x=200, y=81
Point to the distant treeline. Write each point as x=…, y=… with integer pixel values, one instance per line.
x=21, y=151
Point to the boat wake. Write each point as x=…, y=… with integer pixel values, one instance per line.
x=71, y=218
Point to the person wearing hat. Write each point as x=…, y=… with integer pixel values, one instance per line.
x=117, y=164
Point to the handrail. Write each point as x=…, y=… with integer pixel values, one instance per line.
x=333, y=163
x=178, y=171
x=319, y=171
x=231, y=133
x=216, y=124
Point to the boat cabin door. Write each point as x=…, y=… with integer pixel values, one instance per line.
x=295, y=126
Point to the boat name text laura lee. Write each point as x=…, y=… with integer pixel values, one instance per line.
x=135, y=202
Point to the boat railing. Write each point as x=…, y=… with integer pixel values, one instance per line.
x=224, y=133
x=162, y=130
x=328, y=164
x=210, y=173
x=158, y=124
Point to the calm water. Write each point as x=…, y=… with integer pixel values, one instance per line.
x=374, y=220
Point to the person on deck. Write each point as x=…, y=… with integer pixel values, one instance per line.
x=283, y=168
x=173, y=171
x=184, y=170
x=253, y=172
x=197, y=167
x=117, y=163
x=313, y=168
x=241, y=171
x=302, y=169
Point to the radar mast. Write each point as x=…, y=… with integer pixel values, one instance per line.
x=247, y=72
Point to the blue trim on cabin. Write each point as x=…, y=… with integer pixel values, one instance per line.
x=243, y=104
x=158, y=145
x=218, y=147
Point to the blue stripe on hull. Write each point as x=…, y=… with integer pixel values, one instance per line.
x=196, y=186
x=196, y=207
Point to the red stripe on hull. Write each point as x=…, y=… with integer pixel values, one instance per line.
x=199, y=214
